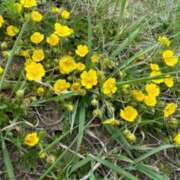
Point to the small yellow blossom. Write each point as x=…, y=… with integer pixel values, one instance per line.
x=55, y=10
x=169, y=109
x=1, y=21
x=65, y=14
x=28, y=3
x=109, y=86
x=177, y=139
x=131, y=137
x=111, y=121
x=36, y=16
x=38, y=55
x=53, y=40
x=60, y=86
x=40, y=91
x=138, y=95
x=169, y=81
x=170, y=58
x=129, y=114
x=12, y=30
x=82, y=50
x=1, y=70
x=67, y=64
x=62, y=30
x=76, y=87
x=95, y=58
x=34, y=71
x=80, y=66
x=152, y=89
x=150, y=100
x=163, y=40
x=37, y=37
x=154, y=67
x=31, y=139
x=89, y=78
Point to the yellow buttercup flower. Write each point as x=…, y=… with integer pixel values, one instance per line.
x=28, y=3
x=95, y=58
x=53, y=40
x=62, y=30
x=163, y=40
x=170, y=58
x=152, y=89
x=177, y=139
x=18, y=7
x=60, y=86
x=38, y=55
x=109, y=86
x=34, y=71
x=67, y=64
x=111, y=121
x=12, y=30
x=169, y=82
x=129, y=114
x=89, y=78
x=65, y=14
x=31, y=139
x=154, y=67
x=80, y=66
x=1, y=21
x=138, y=95
x=150, y=100
x=76, y=87
x=37, y=37
x=169, y=109
x=82, y=50
x=36, y=16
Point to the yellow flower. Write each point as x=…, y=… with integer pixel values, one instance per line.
x=156, y=74
x=131, y=137
x=169, y=82
x=65, y=14
x=34, y=71
x=170, y=58
x=1, y=21
x=18, y=7
x=89, y=78
x=31, y=139
x=37, y=37
x=60, y=86
x=1, y=70
x=138, y=95
x=53, y=40
x=76, y=87
x=109, y=86
x=129, y=114
x=55, y=10
x=150, y=100
x=80, y=66
x=40, y=91
x=163, y=40
x=28, y=3
x=67, y=64
x=177, y=139
x=95, y=58
x=36, y=16
x=38, y=55
x=169, y=109
x=62, y=30
x=152, y=89
x=12, y=30
x=82, y=50
x=154, y=67
x=111, y=121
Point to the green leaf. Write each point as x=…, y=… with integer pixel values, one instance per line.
x=7, y=161
x=114, y=168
